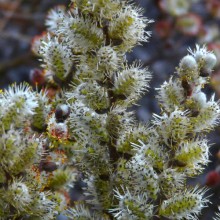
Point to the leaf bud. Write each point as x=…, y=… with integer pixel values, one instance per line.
x=62, y=112
x=188, y=62
x=107, y=57
x=213, y=178
x=210, y=61
x=37, y=77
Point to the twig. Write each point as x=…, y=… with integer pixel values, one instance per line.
x=15, y=62
x=28, y=17
x=17, y=36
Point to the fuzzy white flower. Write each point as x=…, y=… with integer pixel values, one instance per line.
x=37, y=42
x=198, y=52
x=17, y=104
x=22, y=98
x=38, y=121
x=132, y=82
x=129, y=26
x=86, y=124
x=210, y=61
x=147, y=166
x=17, y=150
x=170, y=94
x=45, y=207
x=194, y=154
x=208, y=116
x=188, y=62
x=200, y=99
x=171, y=181
x=18, y=195
x=205, y=58
x=57, y=57
x=152, y=151
x=173, y=127
x=54, y=17
x=91, y=94
x=132, y=136
x=119, y=121
x=102, y=9
x=139, y=175
x=80, y=211
x=132, y=205
x=107, y=58
x=80, y=34
x=188, y=68
x=184, y=205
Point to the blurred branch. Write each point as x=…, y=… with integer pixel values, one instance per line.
x=17, y=36
x=6, y=5
x=15, y=62
x=27, y=17
x=14, y=7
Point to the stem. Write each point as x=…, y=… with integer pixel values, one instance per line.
x=114, y=155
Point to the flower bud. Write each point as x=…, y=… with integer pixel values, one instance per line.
x=132, y=205
x=213, y=178
x=107, y=57
x=18, y=195
x=184, y=205
x=210, y=61
x=206, y=59
x=188, y=62
x=37, y=77
x=62, y=112
x=199, y=53
x=200, y=99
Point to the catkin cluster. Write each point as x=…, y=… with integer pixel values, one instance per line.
x=79, y=126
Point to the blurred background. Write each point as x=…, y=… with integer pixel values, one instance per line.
x=178, y=25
